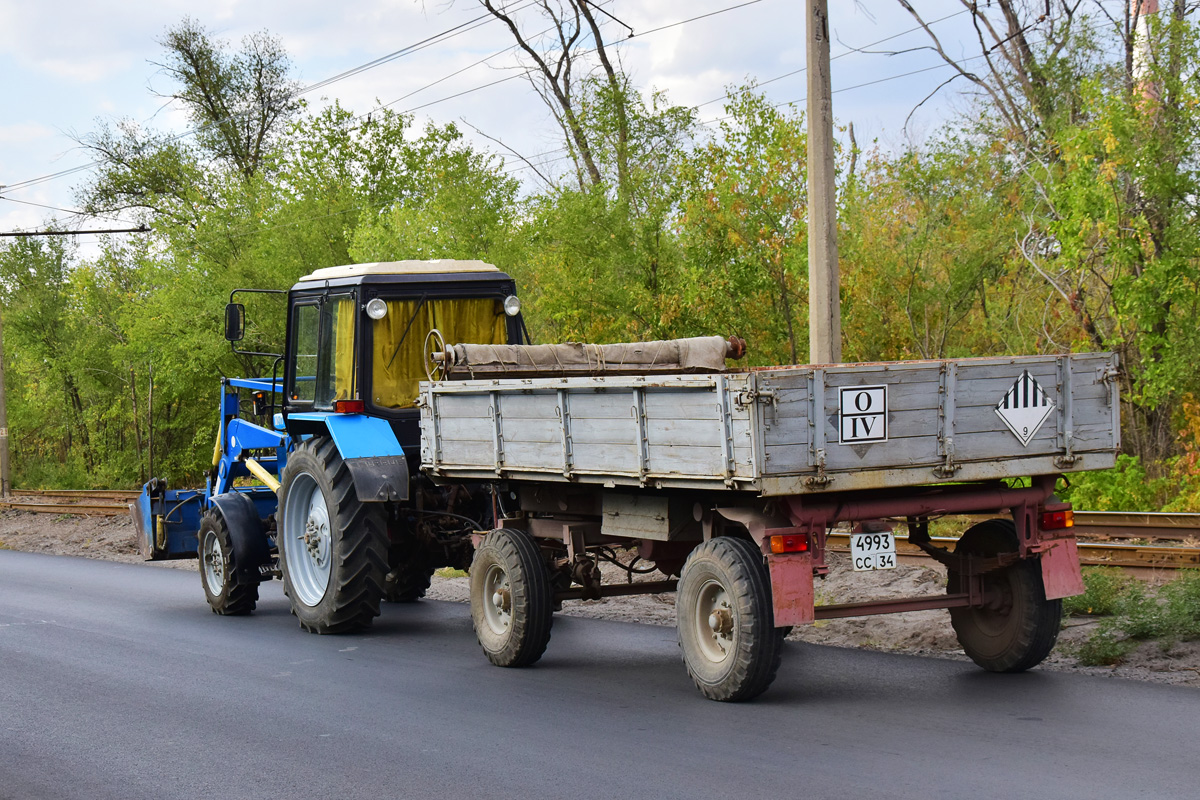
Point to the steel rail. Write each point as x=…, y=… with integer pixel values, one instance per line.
x=123, y=494
x=82, y=509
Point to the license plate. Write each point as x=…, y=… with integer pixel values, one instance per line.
x=870, y=551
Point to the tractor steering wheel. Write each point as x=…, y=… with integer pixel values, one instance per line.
x=433, y=366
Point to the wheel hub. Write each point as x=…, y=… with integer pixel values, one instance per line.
x=716, y=631
x=214, y=564
x=497, y=613
x=307, y=536
x=721, y=621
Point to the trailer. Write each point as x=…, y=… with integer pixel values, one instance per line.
x=531, y=465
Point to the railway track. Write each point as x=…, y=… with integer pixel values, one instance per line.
x=1159, y=540
x=84, y=502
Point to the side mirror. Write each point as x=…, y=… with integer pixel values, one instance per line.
x=235, y=322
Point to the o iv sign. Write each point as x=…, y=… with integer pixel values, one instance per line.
x=863, y=414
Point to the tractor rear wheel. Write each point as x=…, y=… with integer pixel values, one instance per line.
x=1018, y=630
x=409, y=571
x=726, y=620
x=333, y=548
x=217, y=569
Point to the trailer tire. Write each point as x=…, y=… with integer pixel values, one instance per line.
x=218, y=567
x=726, y=621
x=1013, y=638
x=512, y=601
x=332, y=548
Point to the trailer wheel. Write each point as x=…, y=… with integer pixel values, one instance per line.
x=333, y=548
x=1020, y=631
x=512, y=603
x=217, y=569
x=726, y=620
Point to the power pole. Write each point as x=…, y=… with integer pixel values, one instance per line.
x=824, y=306
x=5, y=483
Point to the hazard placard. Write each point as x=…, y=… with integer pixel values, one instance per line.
x=863, y=414
x=1024, y=408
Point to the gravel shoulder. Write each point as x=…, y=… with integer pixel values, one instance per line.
x=926, y=633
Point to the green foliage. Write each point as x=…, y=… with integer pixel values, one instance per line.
x=1065, y=222
x=1106, y=647
x=1134, y=613
x=1125, y=487
x=1105, y=588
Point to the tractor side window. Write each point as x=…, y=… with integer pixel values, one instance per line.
x=304, y=352
x=398, y=357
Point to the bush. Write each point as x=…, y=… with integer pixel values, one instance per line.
x=1104, y=588
x=1125, y=487
x=1181, y=605
x=1105, y=647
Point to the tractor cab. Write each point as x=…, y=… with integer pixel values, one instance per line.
x=360, y=337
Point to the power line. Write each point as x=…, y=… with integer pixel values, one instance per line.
x=415, y=47
x=139, y=229
x=530, y=70
x=726, y=96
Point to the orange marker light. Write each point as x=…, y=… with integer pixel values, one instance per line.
x=349, y=406
x=1057, y=520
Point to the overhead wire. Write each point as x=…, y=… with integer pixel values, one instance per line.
x=437, y=38
x=406, y=111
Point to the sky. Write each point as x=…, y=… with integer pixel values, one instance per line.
x=67, y=67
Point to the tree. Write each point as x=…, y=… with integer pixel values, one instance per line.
x=238, y=103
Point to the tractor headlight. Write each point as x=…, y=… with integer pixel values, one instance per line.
x=376, y=308
x=512, y=305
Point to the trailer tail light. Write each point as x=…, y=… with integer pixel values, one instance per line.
x=1057, y=520
x=789, y=543
x=349, y=406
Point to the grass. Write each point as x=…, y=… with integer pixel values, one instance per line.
x=450, y=572
x=1134, y=614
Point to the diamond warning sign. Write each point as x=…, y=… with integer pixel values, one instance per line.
x=1024, y=408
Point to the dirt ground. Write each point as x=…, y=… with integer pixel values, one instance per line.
x=926, y=633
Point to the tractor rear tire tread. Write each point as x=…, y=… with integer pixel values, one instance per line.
x=359, y=544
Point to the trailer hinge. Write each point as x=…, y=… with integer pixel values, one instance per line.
x=947, y=468
x=748, y=397
x=1067, y=458
x=820, y=480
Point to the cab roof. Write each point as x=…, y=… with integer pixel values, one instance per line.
x=429, y=267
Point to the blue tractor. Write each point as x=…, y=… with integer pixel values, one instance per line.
x=315, y=475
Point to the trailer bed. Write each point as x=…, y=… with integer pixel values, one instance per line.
x=782, y=430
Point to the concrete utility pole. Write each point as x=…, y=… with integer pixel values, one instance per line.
x=824, y=307
x=5, y=484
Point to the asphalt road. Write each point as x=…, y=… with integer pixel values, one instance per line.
x=117, y=682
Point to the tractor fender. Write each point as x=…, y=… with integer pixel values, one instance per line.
x=250, y=547
x=372, y=453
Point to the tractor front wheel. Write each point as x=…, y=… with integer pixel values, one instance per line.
x=333, y=548
x=224, y=595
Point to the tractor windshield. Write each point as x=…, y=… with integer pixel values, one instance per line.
x=398, y=357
